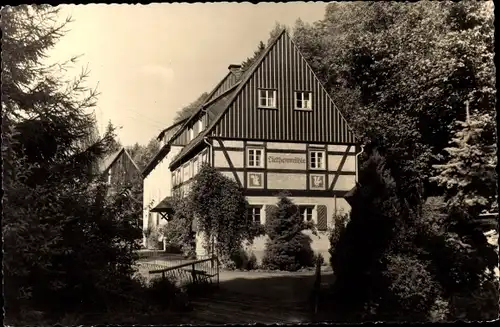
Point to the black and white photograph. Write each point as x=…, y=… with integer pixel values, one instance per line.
x=236, y=163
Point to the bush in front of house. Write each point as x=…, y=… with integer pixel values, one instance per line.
x=242, y=260
x=287, y=247
x=177, y=232
x=339, y=224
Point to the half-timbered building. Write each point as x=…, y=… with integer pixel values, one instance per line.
x=119, y=169
x=272, y=128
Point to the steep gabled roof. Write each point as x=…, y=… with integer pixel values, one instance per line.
x=204, y=105
x=214, y=110
x=111, y=159
x=238, y=87
x=212, y=107
x=162, y=133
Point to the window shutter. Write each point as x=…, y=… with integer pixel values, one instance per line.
x=322, y=218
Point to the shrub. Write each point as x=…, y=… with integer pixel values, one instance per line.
x=166, y=293
x=242, y=260
x=339, y=224
x=287, y=247
x=376, y=254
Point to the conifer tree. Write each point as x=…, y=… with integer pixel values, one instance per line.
x=469, y=175
x=66, y=247
x=287, y=248
x=249, y=61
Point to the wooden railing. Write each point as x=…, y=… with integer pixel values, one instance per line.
x=205, y=271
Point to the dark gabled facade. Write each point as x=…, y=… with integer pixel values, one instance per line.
x=237, y=115
x=119, y=169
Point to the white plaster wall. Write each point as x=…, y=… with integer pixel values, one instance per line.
x=156, y=186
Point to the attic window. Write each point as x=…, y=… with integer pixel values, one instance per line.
x=267, y=98
x=200, y=124
x=303, y=100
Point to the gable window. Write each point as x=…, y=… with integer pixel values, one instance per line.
x=267, y=98
x=317, y=159
x=306, y=212
x=255, y=158
x=303, y=100
x=254, y=214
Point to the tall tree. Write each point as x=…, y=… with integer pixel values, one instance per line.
x=469, y=175
x=114, y=145
x=278, y=28
x=141, y=154
x=412, y=63
x=245, y=65
x=59, y=232
x=415, y=64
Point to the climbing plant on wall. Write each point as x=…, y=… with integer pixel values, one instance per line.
x=220, y=207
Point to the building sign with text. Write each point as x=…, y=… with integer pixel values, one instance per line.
x=286, y=161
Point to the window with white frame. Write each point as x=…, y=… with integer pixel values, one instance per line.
x=195, y=166
x=317, y=159
x=303, y=100
x=254, y=214
x=267, y=98
x=255, y=157
x=191, y=133
x=195, y=129
x=306, y=212
x=185, y=170
x=200, y=124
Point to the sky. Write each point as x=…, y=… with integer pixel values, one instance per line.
x=149, y=61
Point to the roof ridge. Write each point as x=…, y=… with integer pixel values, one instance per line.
x=170, y=127
x=132, y=160
x=248, y=74
x=188, y=119
x=245, y=78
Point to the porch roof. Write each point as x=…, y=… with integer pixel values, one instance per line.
x=164, y=206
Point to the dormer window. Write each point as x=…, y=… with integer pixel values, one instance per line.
x=303, y=100
x=191, y=133
x=195, y=129
x=200, y=124
x=267, y=98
